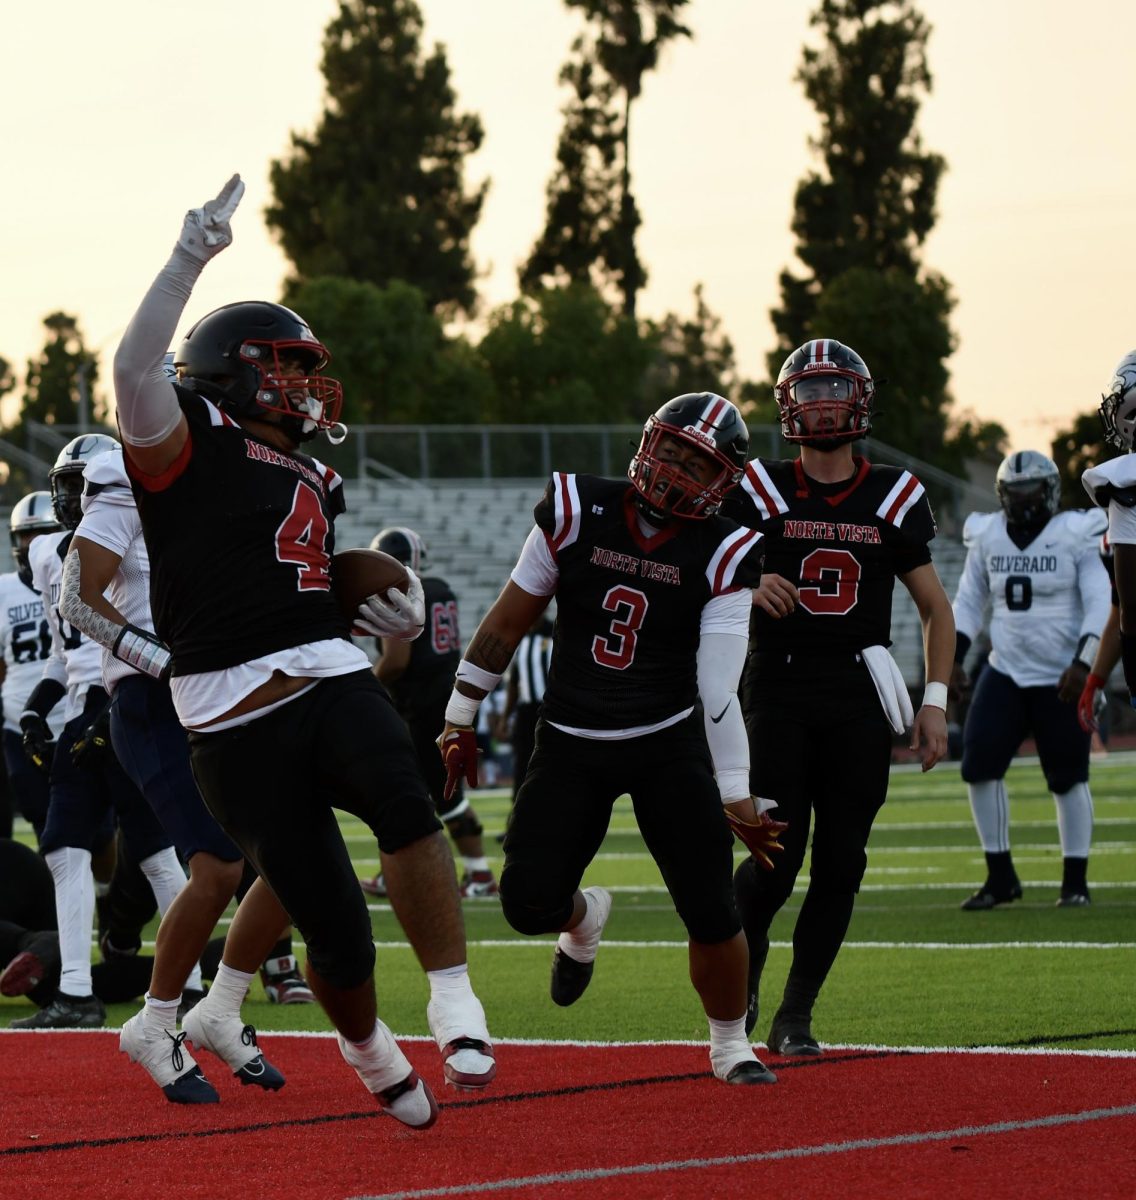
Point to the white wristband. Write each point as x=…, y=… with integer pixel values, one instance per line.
x=469, y=673
x=461, y=710
x=935, y=696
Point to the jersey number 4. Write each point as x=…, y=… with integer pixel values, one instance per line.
x=830, y=582
x=302, y=539
x=616, y=648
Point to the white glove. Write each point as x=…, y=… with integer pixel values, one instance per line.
x=205, y=231
x=402, y=615
x=890, y=687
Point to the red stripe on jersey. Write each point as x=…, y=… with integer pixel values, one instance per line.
x=159, y=483
x=566, y=522
x=901, y=499
x=762, y=491
x=735, y=553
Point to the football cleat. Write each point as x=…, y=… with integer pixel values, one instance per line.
x=989, y=896
x=375, y=886
x=461, y=1033
x=570, y=977
x=283, y=983
x=390, y=1078
x=235, y=1042
x=1069, y=898
x=792, y=1037
x=166, y=1060
x=31, y=966
x=750, y=1071
x=478, y=885
x=66, y=1012
x=753, y=980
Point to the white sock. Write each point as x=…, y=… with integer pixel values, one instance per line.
x=193, y=983
x=582, y=941
x=728, y=1045
x=1075, y=820
x=166, y=876
x=991, y=811
x=450, y=984
x=228, y=992
x=163, y=1014
x=475, y=864
x=75, y=911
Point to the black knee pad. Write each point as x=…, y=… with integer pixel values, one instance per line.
x=342, y=966
x=464, y=824
x=529, y=907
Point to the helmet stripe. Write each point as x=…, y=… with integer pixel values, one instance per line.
x=708, y=421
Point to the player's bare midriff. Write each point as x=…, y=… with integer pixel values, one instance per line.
x=278, y=687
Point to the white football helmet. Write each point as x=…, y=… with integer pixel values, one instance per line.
x=66, y=477
x=34, y=514
x=1118, y=404
x=1029, y=488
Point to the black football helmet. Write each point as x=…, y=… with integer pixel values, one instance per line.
x=32, y=515
x=402, y=543
x=711, y=424
x=242, y=348
x=1028, y=485
x=833, y=384
x=66, y=477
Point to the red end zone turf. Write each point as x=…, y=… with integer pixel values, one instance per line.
x=575, y=1121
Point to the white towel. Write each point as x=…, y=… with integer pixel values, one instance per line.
x=890, y=687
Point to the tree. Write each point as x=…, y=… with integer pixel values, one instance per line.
x=694, y=355
x=391, y=354
x=377, y=192
x=592, y=218
x=52, y=385
x=564, y=356
x=1076, y=449
x=860, y=222
x=7, y=377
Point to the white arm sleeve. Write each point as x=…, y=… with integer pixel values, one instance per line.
x=147, y=405
x=970, y=599
x=536, y=570
x=721, y=656
x=1096, y=594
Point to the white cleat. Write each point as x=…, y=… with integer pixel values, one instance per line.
x=463, y=1038
x=168, y=1063
x=234, y=1042
x=387, y=1074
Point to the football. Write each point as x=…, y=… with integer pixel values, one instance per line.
x=357, y=574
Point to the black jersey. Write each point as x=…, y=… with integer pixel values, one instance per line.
x=240, y=537
x=628, y=607
x=424, y=687
x=841, y=544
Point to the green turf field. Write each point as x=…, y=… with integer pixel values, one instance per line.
x=915, y=970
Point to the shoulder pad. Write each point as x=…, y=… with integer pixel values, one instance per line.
x=105, y=477
x=976, y=524
x=1112, y=480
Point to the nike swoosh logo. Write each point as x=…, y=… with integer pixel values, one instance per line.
x=720, y=715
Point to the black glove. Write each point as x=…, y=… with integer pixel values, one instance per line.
x=39, y=745
x=89, y=750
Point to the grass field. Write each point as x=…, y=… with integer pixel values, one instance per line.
x=915, y=970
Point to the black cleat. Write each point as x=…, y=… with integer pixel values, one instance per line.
x=750, y=1072
x=39, y=960
x=67, y=1012
x=792, y=1037
x=570, y=978
x=988, y=897
x=1069, y=898
x=753, y=979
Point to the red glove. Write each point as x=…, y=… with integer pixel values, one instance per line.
x=1089, y=702
x=759, y=837
x=459, y=753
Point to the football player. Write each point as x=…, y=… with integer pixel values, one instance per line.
x=823, y=696
x=285, y=718
x=1040, y=572
x=108, y=555
x=86, y=780
x=653, y=592
x=1093, y=699
x=25, y=643
x=419, y=676
x=1112, y=486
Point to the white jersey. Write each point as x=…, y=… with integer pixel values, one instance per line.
x=1043, y=599
x=25, y=640
x=75, y=660
x=1112, y=485
x=110, y=519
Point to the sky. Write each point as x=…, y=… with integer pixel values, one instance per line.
x=116, y=118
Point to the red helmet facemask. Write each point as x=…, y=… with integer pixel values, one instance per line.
x=312, y=399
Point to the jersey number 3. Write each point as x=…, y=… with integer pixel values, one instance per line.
x=616, y=648
x=830, y=582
